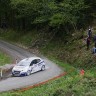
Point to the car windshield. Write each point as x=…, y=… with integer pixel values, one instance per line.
x=23, y=63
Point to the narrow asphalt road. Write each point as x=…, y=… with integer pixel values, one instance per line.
x=15, y=52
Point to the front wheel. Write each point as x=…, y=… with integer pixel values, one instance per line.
x=43, y=68
x=28, y=72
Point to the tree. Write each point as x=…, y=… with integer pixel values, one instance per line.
x=62, y=15
x=4, y=11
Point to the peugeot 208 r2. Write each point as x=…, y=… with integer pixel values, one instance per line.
x=28, y=66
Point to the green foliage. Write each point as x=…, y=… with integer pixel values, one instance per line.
x=65, y=86
x=4, y=59
x=57, y=19
x=69, y=13
x=54, y=13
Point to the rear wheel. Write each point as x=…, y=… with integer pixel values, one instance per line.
x=28, y=72
x=43, y=68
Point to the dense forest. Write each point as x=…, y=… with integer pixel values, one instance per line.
x=56, y=29
x=62, y=15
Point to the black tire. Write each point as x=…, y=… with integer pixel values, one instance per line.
x=43, y=68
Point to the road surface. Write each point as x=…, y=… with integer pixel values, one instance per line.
x=15, y=52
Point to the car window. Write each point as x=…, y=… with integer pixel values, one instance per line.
x=38, y=60
x=23, y=63
x=31, y=63
x=34, y=62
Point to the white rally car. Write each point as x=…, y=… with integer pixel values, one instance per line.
x=28, y=66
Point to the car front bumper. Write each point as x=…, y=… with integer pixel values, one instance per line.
x=19, y=73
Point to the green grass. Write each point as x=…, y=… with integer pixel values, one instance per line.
x=69, y=85
x=4, y=59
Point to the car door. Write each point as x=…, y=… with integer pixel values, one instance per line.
x=39, y=62
x=34, y=66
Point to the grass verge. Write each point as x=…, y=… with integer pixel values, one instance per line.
x=4, y=59
x=69, y=85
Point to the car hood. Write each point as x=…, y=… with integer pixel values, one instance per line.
x=19, y=68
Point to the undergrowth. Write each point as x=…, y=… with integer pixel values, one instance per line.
x=71, y=54
x=4, y=59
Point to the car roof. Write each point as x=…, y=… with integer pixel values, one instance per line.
x=30, y=59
